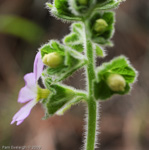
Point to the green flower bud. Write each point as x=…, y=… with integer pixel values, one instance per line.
x=52, y=60
x=100, y=25
x=82, y=2
x=116, y=82
x=42, y=93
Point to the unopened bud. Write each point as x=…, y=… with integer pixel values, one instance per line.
x=100, y=25
x=116, y=82
x=82, y=2
x=52, y=60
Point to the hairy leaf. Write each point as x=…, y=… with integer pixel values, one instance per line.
x=60, y=99
x=75, y=38
x=60, y=9
x=108, y=4
x=99, y=50
x=120, y=66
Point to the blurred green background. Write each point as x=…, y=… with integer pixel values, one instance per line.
x=24, y=26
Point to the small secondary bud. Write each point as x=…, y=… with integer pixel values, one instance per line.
x=100, y=25
x=52, y=60
x=82, y=2
x=116, y=82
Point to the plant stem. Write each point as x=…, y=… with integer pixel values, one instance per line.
x=92, y=106
x=91, y=135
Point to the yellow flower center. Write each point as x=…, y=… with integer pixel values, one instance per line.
x=42, y=93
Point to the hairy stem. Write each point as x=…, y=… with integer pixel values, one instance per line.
x=92, y=106
x=91, y=135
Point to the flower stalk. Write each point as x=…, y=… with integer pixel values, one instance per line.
x=92, y=106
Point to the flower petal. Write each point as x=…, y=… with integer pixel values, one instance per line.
x=19, y=122
x=29, y=79
x=38, y=66
x=29, y=91
x=24, y=112
x=26, y=94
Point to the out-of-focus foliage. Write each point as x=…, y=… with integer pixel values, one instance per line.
x=20, y=27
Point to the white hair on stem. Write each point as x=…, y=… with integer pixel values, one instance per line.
x=96, y=145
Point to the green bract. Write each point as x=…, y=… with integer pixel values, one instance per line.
x=60, y=99
x=102, y=34
x=75, y=38
x=61, y=10
x=72, y=60
x=119, y=66
x=107, y=4
x=99, y=50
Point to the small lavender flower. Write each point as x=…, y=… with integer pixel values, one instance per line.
x=31, y=92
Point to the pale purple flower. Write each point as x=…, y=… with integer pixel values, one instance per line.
x=29, y=92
